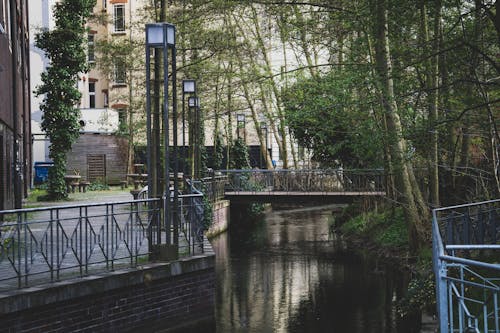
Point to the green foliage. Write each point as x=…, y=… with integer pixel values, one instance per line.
x=387, y=229
x=64, y=46
x=420, y=295
x=327, y=115
x=208, y=213
x=239, y=156
x=219, y=152
x=98, y=186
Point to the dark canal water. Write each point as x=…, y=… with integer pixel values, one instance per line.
x=289, y=273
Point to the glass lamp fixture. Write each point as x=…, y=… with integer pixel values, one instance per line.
x=193, y=102
x=188, y=86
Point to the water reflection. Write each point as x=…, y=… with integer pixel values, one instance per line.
x=287, y=273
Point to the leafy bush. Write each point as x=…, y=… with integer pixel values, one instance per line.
x=98, y=186
x=356, y=225
x=386, y=228
x=420, y=295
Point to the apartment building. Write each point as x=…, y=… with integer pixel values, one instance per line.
x=15, y=132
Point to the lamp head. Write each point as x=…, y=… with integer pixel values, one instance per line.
x=159, y=34
x=193, y=102
x=188, y=86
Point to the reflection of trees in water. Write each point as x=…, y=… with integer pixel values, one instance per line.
x=285, y=275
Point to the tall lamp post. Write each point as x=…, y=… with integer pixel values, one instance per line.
x=263, y=129
x=240, y=125
x=161, y=38
x=194, y=139
x=188, y=87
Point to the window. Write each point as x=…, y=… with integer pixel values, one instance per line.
x=119, y=18
x=120, y=74
x=104, y=4
x=90, y=48
x=92, y=95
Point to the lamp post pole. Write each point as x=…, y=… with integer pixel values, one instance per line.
x=194, y=143
x=263, y=128
x=188, y=87
x=160, y=37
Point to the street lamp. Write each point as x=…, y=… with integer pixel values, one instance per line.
x=263, y=129
x=161, y=38
x=240, y=125
x=188, y=87
x=195, y=135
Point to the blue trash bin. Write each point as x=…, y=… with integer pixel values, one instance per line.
x=42, y=172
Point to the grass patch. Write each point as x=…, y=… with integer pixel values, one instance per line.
x=386, y=228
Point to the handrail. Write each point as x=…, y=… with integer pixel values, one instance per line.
x=46, y=244
x=314, y=180
x=467, y=297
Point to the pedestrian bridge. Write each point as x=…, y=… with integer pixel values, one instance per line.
x=336, y=185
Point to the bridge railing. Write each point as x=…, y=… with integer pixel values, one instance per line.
x=333, y=180
x=466, y=246
x=212, y=187
x=39, y=245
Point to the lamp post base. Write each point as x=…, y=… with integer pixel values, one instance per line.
x=164, y=252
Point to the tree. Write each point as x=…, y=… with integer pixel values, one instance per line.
x=64, y=47
x=327, y=116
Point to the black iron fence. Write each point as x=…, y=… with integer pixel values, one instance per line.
x=213, y=187
x=39, y=245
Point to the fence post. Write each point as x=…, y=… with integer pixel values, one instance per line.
x=442, y=296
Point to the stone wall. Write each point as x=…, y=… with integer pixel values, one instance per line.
x=166, y=295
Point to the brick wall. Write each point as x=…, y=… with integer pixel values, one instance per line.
x=171, y=300
x=220, y=222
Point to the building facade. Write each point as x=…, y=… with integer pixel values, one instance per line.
x=15, y=129
x=98, y=121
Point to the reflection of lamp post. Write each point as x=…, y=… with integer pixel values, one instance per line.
x=188, y=87
x=194, y=141
x=160, y=37
x=240, y=125
x=263, y=129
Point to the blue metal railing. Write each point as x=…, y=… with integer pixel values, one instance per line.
x=466, y=247
x=39, y=245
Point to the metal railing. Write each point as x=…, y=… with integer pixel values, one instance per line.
x=39, y=245
x=333, y=180
x=466, y=246
x=212, y=187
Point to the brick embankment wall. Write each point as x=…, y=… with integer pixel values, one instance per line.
x=158, y=295
x=220, y=218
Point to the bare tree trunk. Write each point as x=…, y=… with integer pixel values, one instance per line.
x=418, y=234
x=432, y=82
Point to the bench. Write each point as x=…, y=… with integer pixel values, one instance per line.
x=73, y=185
x=82, y=187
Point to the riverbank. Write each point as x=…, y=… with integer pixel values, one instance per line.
x=383, y=232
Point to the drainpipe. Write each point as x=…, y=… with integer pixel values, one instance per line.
x=16, y=167
x=27, y=142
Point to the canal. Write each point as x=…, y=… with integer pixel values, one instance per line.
x=287, y=272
